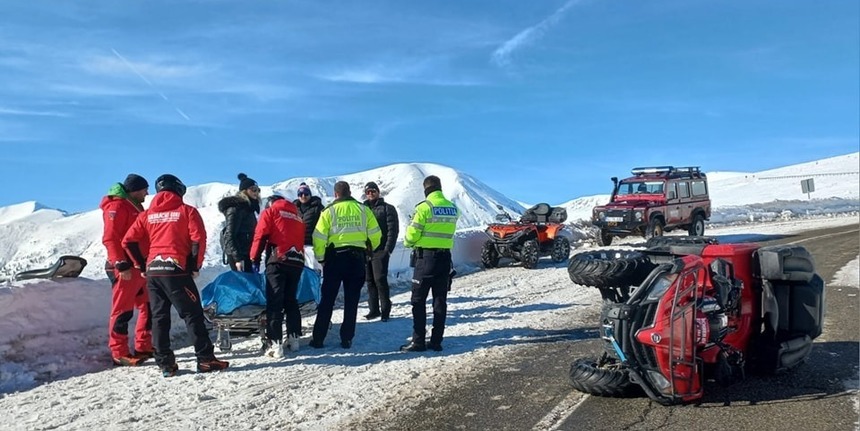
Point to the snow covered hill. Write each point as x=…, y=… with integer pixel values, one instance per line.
x=739, y=196
x=32, y=236
x=30, y=211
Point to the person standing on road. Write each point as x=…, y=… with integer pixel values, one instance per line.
x=120, y=208
x=310, y=207
x=177, y=243
x=431, y=234
x=282, y=229
x=345, y=233
x=378, y=292
x=240, y=213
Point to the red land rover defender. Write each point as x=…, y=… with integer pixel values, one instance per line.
x=653, y=201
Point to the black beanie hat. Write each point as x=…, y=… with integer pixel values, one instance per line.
x=371, y=186
x=134, y=182
x=245, y=183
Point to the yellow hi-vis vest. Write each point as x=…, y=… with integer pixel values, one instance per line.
x=433, y=224
x=345, y=223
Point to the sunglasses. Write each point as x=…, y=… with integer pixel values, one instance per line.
x=369, y=191
x=255, y=189
x=304, y=194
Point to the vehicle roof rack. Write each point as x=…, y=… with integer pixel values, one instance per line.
x=670, y=171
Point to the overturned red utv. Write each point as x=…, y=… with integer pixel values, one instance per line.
x=690, y=309
x=653, y=201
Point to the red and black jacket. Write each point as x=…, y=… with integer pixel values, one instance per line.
x=119, y=214
x=281, y=227
x=175, y=232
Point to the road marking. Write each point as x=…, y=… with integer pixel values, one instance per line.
x=824, y=236
x=556, y=417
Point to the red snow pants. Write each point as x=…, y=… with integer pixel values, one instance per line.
x=128, y=295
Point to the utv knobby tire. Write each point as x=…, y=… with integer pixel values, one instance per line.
x=609, y=268
x=585, y=376
x=530, y=254
x=697, y=227
x=560, y=249
x=489, y=255
x=604, y=238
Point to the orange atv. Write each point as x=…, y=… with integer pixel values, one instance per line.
x=536, y=234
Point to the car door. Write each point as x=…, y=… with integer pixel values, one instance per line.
x=673, y=204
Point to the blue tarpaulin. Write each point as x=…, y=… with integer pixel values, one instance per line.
x=234, y=289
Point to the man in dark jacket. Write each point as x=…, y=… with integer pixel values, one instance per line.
x=378, y=293
x=177, y=244
x=310, y=207
x=240, y=213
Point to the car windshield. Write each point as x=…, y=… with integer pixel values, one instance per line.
x=640, y=187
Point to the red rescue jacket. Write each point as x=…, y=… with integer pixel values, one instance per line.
x=175, y=231
x=118, y=213
x=280, y=226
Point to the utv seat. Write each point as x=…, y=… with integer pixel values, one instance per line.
x=65, y=267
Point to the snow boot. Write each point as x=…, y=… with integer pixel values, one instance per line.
x=169, y=370
x=128, y=361
x=275, y=350
x=210, y=365
x=293, y=343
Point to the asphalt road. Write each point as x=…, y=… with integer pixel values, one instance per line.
x=530, y=390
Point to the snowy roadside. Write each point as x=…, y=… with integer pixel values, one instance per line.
x=57, y=376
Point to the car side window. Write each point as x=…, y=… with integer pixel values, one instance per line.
x=683, y=189
x=670, y=192
x=699, y=188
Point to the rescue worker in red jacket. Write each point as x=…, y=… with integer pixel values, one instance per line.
x=281, y=228
x=177, y=242
x=128, y=286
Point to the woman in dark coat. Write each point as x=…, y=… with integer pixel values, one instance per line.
x=240, y=213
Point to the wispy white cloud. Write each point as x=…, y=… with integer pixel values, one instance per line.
x=502, y=55
x=118, y=65
x=429, y=71
x=27, y=112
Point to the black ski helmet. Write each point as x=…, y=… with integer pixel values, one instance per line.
x=272, y=199
x=170, y=183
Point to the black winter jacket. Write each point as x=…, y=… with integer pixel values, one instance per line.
x=389, y=224
x=310, y=213
x=241, y=220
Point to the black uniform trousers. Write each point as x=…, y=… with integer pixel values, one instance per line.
x=180, y=291
x=282, y=282
x=431, y=274
x=378, y=291
x=341, y=266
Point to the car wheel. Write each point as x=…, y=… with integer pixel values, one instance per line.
x=697, y=228
x=655, y=228
x=604, y=238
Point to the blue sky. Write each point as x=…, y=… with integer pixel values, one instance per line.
x=541, y=100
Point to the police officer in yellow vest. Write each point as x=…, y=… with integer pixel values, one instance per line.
x=346, y=230
x=431, y=234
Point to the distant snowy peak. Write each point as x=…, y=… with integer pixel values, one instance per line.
x=30, y=211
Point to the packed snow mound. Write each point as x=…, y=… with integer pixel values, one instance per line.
x=31, y=211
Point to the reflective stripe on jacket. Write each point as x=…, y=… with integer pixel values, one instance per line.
x=346, y=223
x=433, y=224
